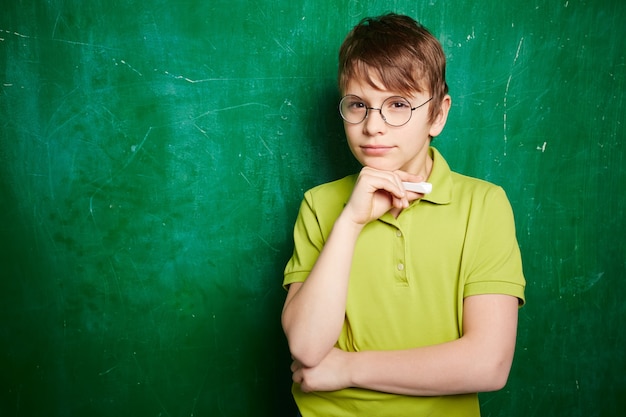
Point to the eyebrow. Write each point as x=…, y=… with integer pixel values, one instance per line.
x=409, y=99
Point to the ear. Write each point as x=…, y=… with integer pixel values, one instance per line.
x=440, y=118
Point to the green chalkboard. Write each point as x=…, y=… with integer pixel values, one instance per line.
x=153, y=156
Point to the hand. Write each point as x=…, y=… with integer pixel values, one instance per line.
x=376, y=192
x=331, y=374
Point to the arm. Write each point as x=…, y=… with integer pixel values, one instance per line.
x=479, y=361
x=314, y=311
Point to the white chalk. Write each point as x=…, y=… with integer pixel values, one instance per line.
x=418, y=187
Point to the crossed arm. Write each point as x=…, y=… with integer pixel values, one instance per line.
x=314, y=313
x=477, y=362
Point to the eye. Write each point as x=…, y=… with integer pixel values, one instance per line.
x=353, y=104
x=397, y=104
x=356, y=104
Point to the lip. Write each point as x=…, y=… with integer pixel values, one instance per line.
x=376, y=150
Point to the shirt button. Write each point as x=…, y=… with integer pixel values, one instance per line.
x=398, y=233
x=400, y=267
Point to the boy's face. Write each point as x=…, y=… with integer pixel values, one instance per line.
x=378, y=145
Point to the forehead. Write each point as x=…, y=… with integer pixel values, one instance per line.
x=394, y=79
x=374, y=90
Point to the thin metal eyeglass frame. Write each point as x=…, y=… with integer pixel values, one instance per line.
x=367, y=110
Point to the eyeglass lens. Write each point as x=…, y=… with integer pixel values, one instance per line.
x=395, y=111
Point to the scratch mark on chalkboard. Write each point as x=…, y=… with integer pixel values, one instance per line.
x=15, y=33
x=238, y=79
x=230, y=79
x=108, y=370
x=134, y=149
x=245, y=178
x=129, y=66
x=542, y=148
x=506, y=92
x=199, y=393
x=268, y=243
x=150, y=386
x=580, y=284
x=201, y=130
x=57, y=40
x=471, y=35
x=284, y=48
x=266, y=146
x=229, y=108
x=182, y=77
x=56, y=23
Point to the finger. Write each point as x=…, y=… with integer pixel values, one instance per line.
x=383, y=180
x=400, y=203
x=296, y=377
x=407, y=177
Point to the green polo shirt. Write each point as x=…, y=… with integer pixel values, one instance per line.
x=409, y=277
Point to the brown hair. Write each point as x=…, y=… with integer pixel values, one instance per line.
x=400, y=52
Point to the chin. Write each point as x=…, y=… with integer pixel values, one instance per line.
x=381, y=166
x=381, y=163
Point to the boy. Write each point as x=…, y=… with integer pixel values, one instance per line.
x=400, y=303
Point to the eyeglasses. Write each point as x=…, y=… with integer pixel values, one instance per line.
x=396, y=111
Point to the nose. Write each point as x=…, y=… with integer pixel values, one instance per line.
x=374, y=124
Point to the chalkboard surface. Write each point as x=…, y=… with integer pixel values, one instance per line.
x=153, y=156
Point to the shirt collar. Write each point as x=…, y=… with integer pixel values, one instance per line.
x=441, y=179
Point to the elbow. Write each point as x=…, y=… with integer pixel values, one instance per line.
x=496, y=383
x=306, y=354
x=306, y=349
x=495, y=376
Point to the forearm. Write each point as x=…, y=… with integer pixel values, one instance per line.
x=451, y=368
x=479, y=361
x=313, y=317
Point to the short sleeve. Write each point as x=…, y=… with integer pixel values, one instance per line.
x=495, y=265
x=308, y=243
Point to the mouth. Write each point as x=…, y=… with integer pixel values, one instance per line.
x=375, y=150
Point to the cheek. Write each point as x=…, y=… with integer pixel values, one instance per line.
x=420, y=128
x=352, y=141
x=352, y=133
